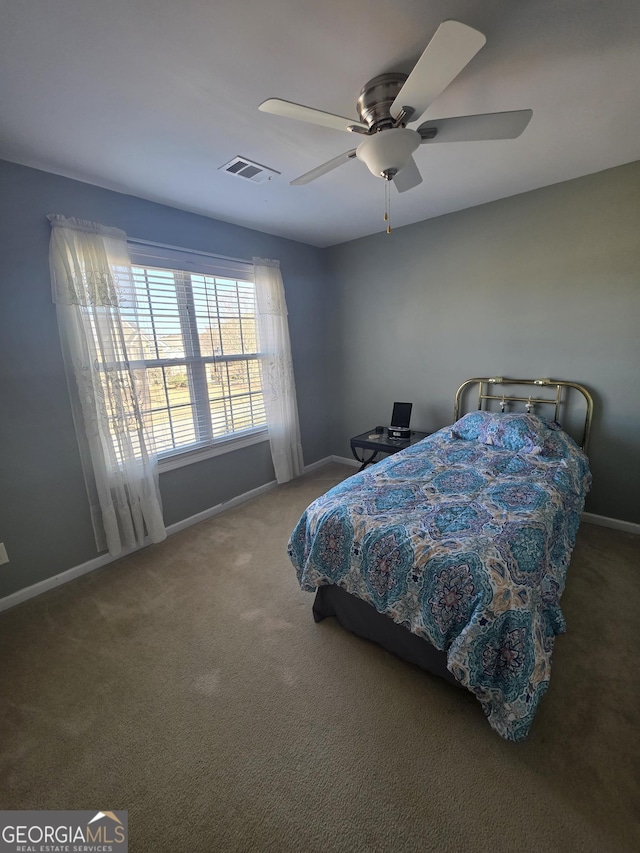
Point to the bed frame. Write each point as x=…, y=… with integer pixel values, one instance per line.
x=363, y=619
x=486, y=396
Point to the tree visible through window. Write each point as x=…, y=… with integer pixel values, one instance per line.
x=200, y=354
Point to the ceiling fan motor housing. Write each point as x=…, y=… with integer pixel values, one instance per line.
x=376, y=97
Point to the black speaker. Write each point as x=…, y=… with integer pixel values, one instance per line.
x=400, y=420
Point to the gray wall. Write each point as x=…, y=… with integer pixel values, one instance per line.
x=542, y=284
x=44, y=519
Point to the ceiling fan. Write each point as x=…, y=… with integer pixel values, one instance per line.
x=389, y=102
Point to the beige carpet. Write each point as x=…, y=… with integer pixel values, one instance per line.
x=189, y=685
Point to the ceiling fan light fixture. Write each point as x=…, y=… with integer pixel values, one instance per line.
x=388, y=151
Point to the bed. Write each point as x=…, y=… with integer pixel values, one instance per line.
x=453, y=553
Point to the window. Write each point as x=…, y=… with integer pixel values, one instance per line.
x=198, y=335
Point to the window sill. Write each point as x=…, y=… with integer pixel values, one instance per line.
x=225, y=445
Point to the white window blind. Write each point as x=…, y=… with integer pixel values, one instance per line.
x=196, y=317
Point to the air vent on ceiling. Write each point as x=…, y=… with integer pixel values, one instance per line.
x=244, y=168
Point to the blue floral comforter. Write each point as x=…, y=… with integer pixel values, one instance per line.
x=464, y=539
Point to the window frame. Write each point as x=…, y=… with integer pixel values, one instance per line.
x=155, y=256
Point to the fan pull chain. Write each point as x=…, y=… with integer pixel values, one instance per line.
x=387, y=204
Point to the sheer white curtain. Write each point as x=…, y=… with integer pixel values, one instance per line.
x=93, y=290
x=277, y=371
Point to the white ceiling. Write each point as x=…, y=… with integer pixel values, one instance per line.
x=151, y=97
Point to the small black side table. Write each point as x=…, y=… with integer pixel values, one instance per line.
x=381, y=444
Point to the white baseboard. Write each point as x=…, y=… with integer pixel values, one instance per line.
x=104, y=559
x=341, y=460
x=344, y=460
x=614, y=523
x=218, y=508
x=315, y=465
x=58, y=580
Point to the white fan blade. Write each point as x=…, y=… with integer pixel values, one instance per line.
x=408, y=177
x=326, y=167
x=507, y=125
x=452, y=47
x=278, y=107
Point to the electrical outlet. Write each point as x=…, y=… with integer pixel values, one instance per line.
x=4, y=557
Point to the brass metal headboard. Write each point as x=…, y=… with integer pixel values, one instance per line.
x=489, y=384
